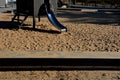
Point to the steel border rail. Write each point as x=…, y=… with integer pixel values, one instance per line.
x=18, y=64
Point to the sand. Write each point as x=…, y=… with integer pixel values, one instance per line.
x=60, y=75
x=87, y=31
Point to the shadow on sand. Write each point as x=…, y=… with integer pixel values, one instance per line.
x=98, y=17
x=15, y=26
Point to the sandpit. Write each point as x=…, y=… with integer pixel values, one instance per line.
x=87, y=31
x=84, y=33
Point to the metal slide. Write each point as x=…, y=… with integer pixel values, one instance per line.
x=54, y=21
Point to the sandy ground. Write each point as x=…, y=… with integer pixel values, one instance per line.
x=87, y=31
x=60, y=75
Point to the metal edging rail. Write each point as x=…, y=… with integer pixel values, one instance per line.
x=11, y=64
x=56, y=60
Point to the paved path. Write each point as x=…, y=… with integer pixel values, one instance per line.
x=58, y=54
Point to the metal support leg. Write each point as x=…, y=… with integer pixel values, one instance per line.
x=18, y=18
x=39, y=18
x=34, y=22
x=14, y=17
x=23, y=19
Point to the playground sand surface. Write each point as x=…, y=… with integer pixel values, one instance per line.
x=79, y=37
x=87, y=36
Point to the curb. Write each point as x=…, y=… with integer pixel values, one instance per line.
x=59, y=54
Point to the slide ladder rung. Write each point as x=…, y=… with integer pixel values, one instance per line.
x=21, y=21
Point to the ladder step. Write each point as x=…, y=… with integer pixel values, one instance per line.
x=19, y=19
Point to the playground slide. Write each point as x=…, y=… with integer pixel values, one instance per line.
x=55, y=22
